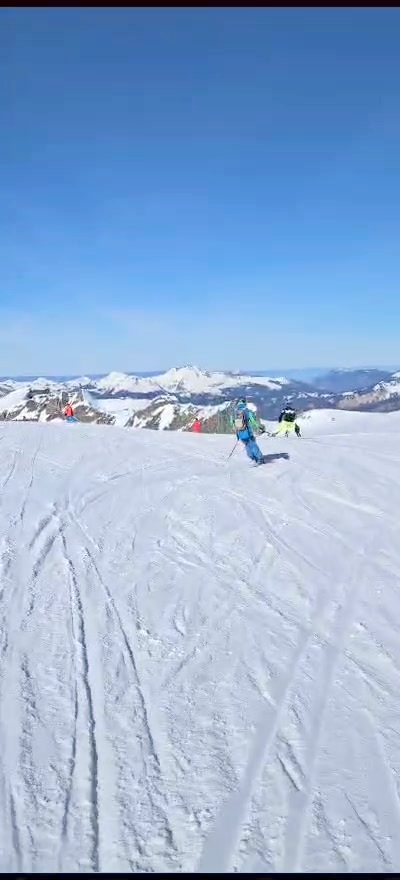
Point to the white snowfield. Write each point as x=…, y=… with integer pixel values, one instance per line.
x=200, y=659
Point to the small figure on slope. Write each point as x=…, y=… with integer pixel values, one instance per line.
x=245, y=424
x=196, y=427
x=287, y=420
x=69, y=414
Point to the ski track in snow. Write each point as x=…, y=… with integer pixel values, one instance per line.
x=199, y=661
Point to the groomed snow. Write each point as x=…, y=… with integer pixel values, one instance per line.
x=200, y=660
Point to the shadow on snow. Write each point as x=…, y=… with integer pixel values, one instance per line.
x=275, y=456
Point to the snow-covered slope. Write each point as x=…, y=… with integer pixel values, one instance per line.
x=200, y=660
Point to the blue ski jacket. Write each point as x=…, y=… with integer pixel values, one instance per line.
x=250, y=422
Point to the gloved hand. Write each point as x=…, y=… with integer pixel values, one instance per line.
x=261, y=429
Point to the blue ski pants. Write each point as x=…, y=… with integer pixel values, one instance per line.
x=252, y=449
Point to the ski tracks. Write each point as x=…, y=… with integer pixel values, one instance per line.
x=85, y=760
x=50, y=750
x=204, y=667
x=133, y=731
x=86, y=765
x=279, y=727
x=285, y=749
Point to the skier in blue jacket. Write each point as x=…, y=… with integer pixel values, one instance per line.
x=245, y=424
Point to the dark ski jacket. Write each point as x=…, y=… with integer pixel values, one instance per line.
x=287, y=415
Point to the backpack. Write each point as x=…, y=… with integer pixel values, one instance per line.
x=240, y=421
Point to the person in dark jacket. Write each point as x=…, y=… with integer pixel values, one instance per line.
x=287, y=422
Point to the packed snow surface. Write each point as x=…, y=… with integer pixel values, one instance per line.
x=200, y=659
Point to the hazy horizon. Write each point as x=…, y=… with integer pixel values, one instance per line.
x=295, y=372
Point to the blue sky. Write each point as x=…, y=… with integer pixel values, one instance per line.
x=217, y=186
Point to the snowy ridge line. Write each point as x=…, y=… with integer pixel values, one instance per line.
x=180, y=394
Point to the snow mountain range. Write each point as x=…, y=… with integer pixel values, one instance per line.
x=172, y=400
x=340, y=381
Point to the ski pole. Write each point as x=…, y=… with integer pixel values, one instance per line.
x=231, y=453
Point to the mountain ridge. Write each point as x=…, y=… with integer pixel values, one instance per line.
x=172, y=400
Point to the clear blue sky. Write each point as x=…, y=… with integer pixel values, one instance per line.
x=218, y=186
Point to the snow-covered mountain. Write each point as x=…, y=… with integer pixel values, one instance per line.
x=168, y=414
x=171, y=400
x=382, y=397
x=82, y=382
x=346, y=380
x=41, y=402
x=200, y=659
x=192, y=380
x=122, y=383
x=186, y=380
x=199, y=388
